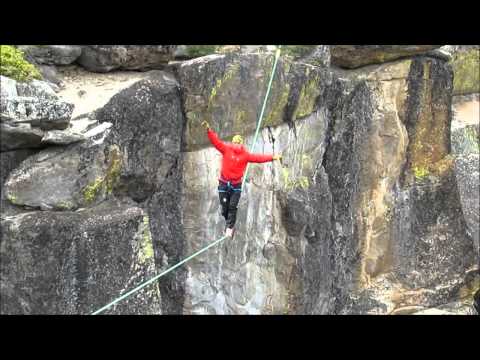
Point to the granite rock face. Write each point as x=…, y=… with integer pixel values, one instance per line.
x=465, y=139
x=151, y=173
x=76, y=262
x=368, y=226
x=228, y=91
x=85, y=191
x=365, y=214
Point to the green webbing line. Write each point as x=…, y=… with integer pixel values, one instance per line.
x=260, y=118
x=156, y=277
x=277, y=55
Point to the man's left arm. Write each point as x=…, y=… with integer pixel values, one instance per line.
x=262, y=158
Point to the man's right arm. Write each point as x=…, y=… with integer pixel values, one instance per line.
x=213, y=137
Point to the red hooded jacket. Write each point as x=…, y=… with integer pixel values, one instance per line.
x=235, y=158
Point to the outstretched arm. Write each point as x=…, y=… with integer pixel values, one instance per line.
x=259, y=158
x=213, y=137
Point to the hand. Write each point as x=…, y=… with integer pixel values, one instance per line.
x=206, y=125
x=277, y=157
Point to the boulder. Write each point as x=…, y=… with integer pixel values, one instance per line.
x=408, y=231
x=318, y=55
x=45, y=114
x=28, y=111
x=65, y=178
x=9, y=160
x=353, y=56
x=465, y=140
x=62, y=137
x=149, y=147
x=228, y=91
x=113, y=163
x=50, y=74
x=147, y=126
x=36, y=89
x=8, y=87
x=466, y=68
x=51, y=54
x=18, y=136
x=105, y=58
x=77, y=262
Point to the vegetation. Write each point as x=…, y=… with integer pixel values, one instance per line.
x=14, y=65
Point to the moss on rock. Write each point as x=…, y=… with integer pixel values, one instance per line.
x=146, y=249
x=308, y=97
x=107, y=182
x=91, y=191
x=114, y=168
x=466, y=69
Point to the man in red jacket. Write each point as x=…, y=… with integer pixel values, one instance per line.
x=234, y=162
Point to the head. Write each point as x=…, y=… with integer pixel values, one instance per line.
x=237, y=139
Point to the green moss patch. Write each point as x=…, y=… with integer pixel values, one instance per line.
x=107, y=182
x=146, y=251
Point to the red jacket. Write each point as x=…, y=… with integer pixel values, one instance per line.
x=235, y=158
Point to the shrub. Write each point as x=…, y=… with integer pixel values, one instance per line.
x=201, y=50
x=14, y=65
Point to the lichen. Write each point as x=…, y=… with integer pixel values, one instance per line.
x=308, y=96
x=64, y=205
x=438, y=168
x=303, y=182
x=146, y=249
x=239, y=119
x=12, y=198
x=114, y=168
x=420, y=172
x=307, y=162
x=466, y=70
x=278, y=105
x=221, y=82
x=428, y=148
x=285, y=175
x=290, y=182
x=472, y=137
x=110, y=178
x=91, y=191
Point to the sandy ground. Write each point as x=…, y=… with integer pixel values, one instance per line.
x=90, y=91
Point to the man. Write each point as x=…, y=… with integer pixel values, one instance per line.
x=235, y=158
